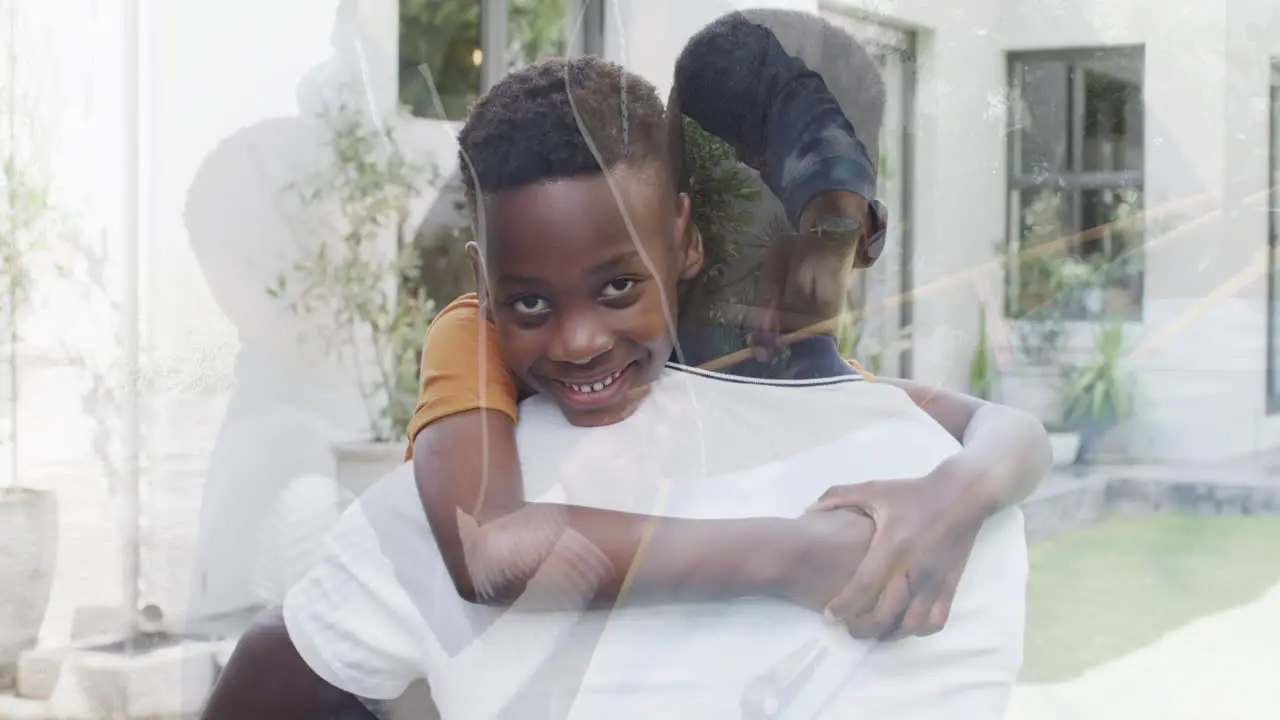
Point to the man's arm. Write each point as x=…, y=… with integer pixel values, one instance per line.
x=742, y=85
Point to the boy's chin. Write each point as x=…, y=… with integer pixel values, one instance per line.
x=599, y=418
x=615, y=403
x=596, y=417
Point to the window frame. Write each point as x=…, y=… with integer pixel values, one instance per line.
x=1073, y=180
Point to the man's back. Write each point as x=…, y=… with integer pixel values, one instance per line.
x=701, y=446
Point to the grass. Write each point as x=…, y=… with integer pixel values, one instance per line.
x=1101, y=592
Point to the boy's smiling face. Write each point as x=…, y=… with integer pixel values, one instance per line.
x=582, y=317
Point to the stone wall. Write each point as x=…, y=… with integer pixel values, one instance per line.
x=1065, y=504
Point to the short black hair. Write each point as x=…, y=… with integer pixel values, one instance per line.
x=540, y=123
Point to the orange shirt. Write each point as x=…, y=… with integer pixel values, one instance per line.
x=462, y=370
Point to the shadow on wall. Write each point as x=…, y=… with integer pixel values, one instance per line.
x=269, y=494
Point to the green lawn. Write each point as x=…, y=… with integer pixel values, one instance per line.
x=1100, y=592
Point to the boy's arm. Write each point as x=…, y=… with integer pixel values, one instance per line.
x=1006, y=451
x=493, y=541
x=926, y=527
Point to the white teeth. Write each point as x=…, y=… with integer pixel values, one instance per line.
x=596, y=386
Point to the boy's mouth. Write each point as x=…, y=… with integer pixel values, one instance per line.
x=597, y=392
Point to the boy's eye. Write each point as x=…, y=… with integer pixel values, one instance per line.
x=618, y=286
x=529, y=305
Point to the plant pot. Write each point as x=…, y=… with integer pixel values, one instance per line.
x=361, y=464
x=1037, y=389
x=1120, y=301
x=1093, y=430
x=1066, y=447
x=29, y=536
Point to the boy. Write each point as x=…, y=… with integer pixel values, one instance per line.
x=579, y=265
x=741, y=83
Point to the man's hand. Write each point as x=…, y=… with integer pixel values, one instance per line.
x=924, y=532
x=830, y=546
x=803, y=276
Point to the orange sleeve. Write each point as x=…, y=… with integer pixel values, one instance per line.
x=461, y=368
x=858, y=369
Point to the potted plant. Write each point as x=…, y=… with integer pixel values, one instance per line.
x=1037, y=312
x=1065, y=444
x=28, y=516
x=364, y=278
x=1049, y=285
x=980, y=377
x=1098, y=397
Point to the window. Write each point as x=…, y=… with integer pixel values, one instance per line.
x=457, y=40
x=1076, y=184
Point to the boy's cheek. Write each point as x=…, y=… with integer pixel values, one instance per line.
x=652, y=329
x=517, y=351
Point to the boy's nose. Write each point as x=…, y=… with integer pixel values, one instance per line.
x=580, y=340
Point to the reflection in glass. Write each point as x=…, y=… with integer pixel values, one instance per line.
x=536, y=29
x=443, y=37
x=1078, y=268
x=1112, y=120
x=1041, y=111
x=1076, y=184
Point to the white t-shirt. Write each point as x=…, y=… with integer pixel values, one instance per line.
x=379, y=611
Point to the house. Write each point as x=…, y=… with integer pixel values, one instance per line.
x=1155, y=119
x=1155, y=113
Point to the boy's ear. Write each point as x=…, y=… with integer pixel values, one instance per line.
x=690, y=239
x=481, y=279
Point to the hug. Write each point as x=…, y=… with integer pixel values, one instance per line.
x=591, y=523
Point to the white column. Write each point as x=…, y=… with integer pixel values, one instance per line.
x=130, y=319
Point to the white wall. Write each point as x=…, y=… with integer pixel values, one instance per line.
x=68, y=110
x=1199, y=364
x=235, y=403
x=1200, y=358
x=232, y=119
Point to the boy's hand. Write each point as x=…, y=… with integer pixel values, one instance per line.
x=829, y=547
x=924, y=532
